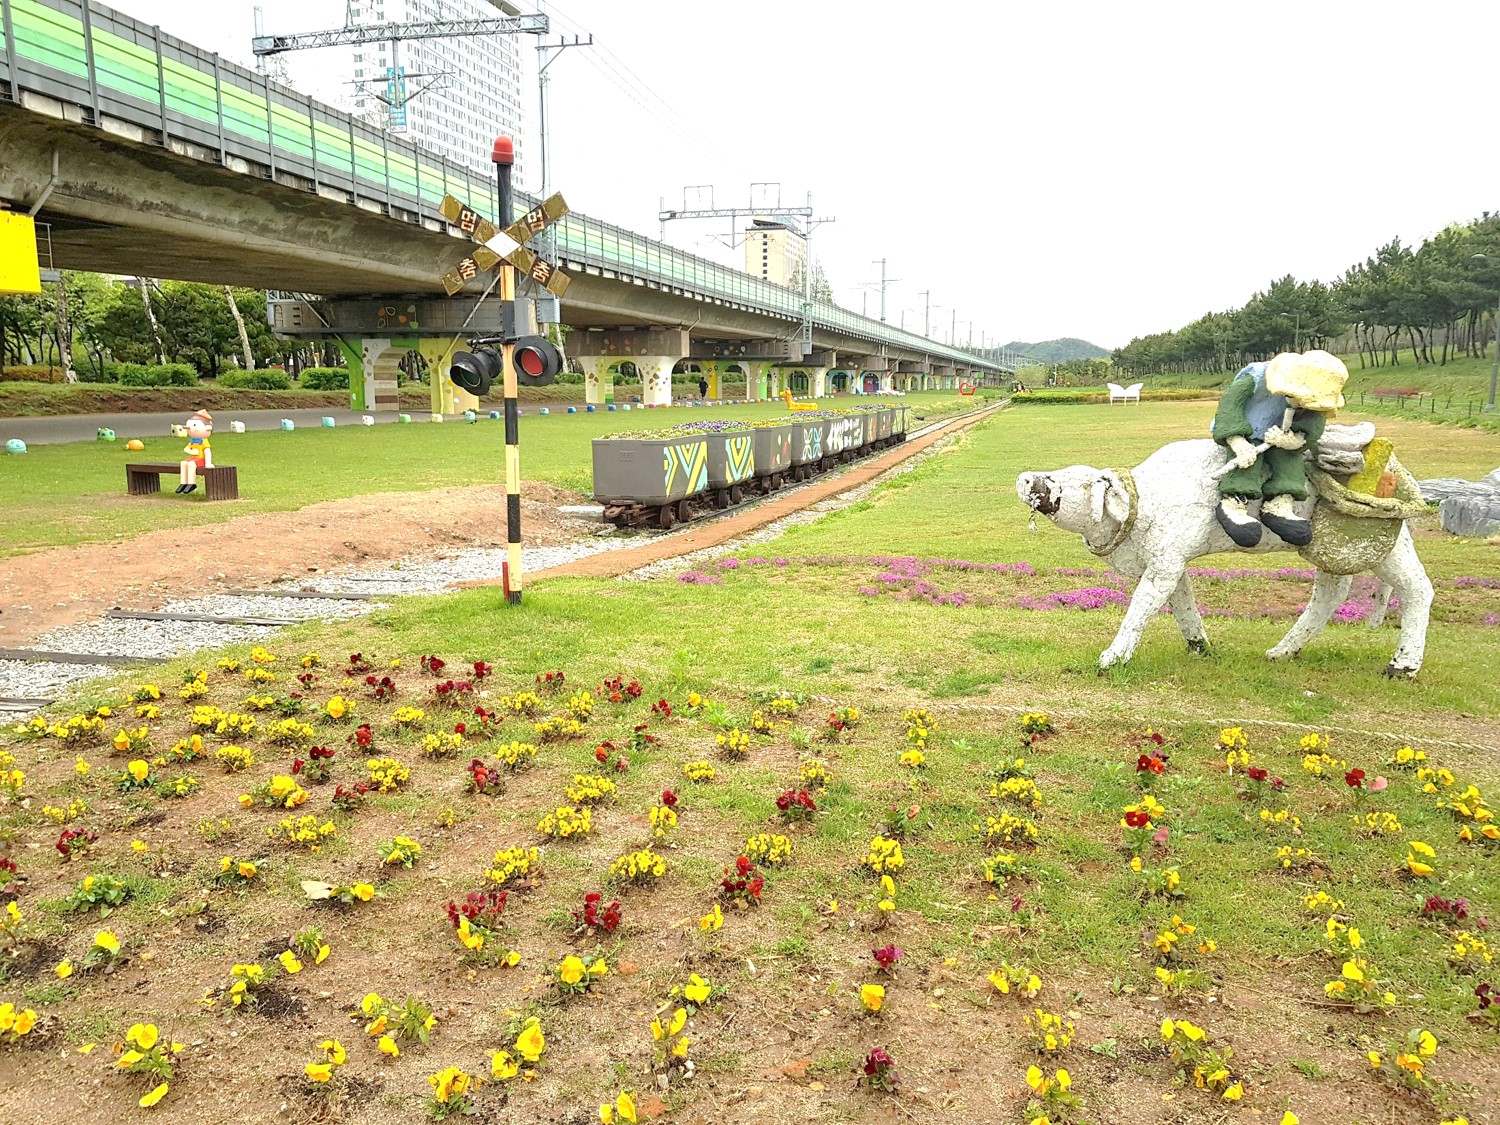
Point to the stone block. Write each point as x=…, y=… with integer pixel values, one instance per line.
x=1477, y=517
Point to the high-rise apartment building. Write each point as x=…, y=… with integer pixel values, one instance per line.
x=775, y=251
x=470, y=86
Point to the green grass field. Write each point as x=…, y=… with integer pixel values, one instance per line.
x=1242, y=945
x=75, y=493
x=1452, y=393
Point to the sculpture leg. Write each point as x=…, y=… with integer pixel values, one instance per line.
x=1151, y=593
x=1184, y=603
x=1329, y=592
x=1404, y=571
x=1382, y=603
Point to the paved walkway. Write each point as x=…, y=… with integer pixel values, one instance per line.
x=55, y=428
x=714, y=532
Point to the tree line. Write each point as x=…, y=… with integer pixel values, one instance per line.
x=1437, y=300
x=88, y=322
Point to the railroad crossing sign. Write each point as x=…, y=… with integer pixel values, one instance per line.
x=508, y=245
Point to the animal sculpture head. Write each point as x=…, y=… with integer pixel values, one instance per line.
x=1082, y=499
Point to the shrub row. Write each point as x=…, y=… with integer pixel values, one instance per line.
x=324, y=379
x=151, y=375
x=35, y=373
x=1065, y=398
x=267, y=380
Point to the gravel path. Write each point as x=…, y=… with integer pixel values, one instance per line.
x=110, y=636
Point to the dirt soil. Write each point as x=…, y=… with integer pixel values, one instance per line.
x=68, y=585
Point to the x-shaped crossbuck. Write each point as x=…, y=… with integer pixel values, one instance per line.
x=509, y=245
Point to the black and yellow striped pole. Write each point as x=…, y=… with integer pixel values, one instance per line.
x=504, y=156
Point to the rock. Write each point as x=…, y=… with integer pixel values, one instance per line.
x=1444, y=488
x=1476, y=516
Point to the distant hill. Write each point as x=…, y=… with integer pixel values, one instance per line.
x=1059, y=351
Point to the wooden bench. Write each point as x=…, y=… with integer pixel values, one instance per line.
x=221, y=482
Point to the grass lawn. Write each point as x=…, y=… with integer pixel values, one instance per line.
x=1452, y=392
x=75, y=493
x=785, y=1031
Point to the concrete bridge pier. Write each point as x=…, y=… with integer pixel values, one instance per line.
x=375, y=362
x=656, y=378
x=757, y=378
x=598, y=378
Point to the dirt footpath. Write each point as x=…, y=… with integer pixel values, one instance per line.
x=68, y=585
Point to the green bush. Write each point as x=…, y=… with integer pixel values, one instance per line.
x=149, y=375
x=256, y=380
x=33, y=373
x=324, y=379
x=1073, y=398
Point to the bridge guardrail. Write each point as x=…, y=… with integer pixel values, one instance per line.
x=112, y=65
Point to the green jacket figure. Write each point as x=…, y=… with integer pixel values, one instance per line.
x=1270, y=416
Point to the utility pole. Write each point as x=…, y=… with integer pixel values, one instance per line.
x=953, y=328
x=926, y=294
x=546, y=53
x=884, y=281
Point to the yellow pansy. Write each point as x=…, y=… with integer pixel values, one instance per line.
x=388, y=1046
x=697, y=989
x=107, y=941
x=1235, y=1092
x=503, y=1067
x=571, y=970
x=872, y=996
x=154, y=1096
x=531, y=1042
x=336, y=1053
x=319, y=1072
x=289, y=962
x=64, y=969
x=143, y=1035
x=712, y=920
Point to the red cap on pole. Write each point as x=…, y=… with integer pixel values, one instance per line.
x=504, y=151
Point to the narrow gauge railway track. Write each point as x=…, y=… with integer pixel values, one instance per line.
x=879, y=435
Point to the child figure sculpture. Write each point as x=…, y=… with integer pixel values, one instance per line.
x=1268, y=417
x=200, y=428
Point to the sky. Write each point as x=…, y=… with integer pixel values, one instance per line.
x=1100, y=170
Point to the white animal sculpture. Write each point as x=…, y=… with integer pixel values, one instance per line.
x=1169, y=521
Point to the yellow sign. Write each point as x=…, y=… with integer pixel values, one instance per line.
x=20, y=272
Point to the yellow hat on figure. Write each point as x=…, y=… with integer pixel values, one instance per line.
x=1312, y=381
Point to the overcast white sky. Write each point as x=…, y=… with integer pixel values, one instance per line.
x=1045, y=169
